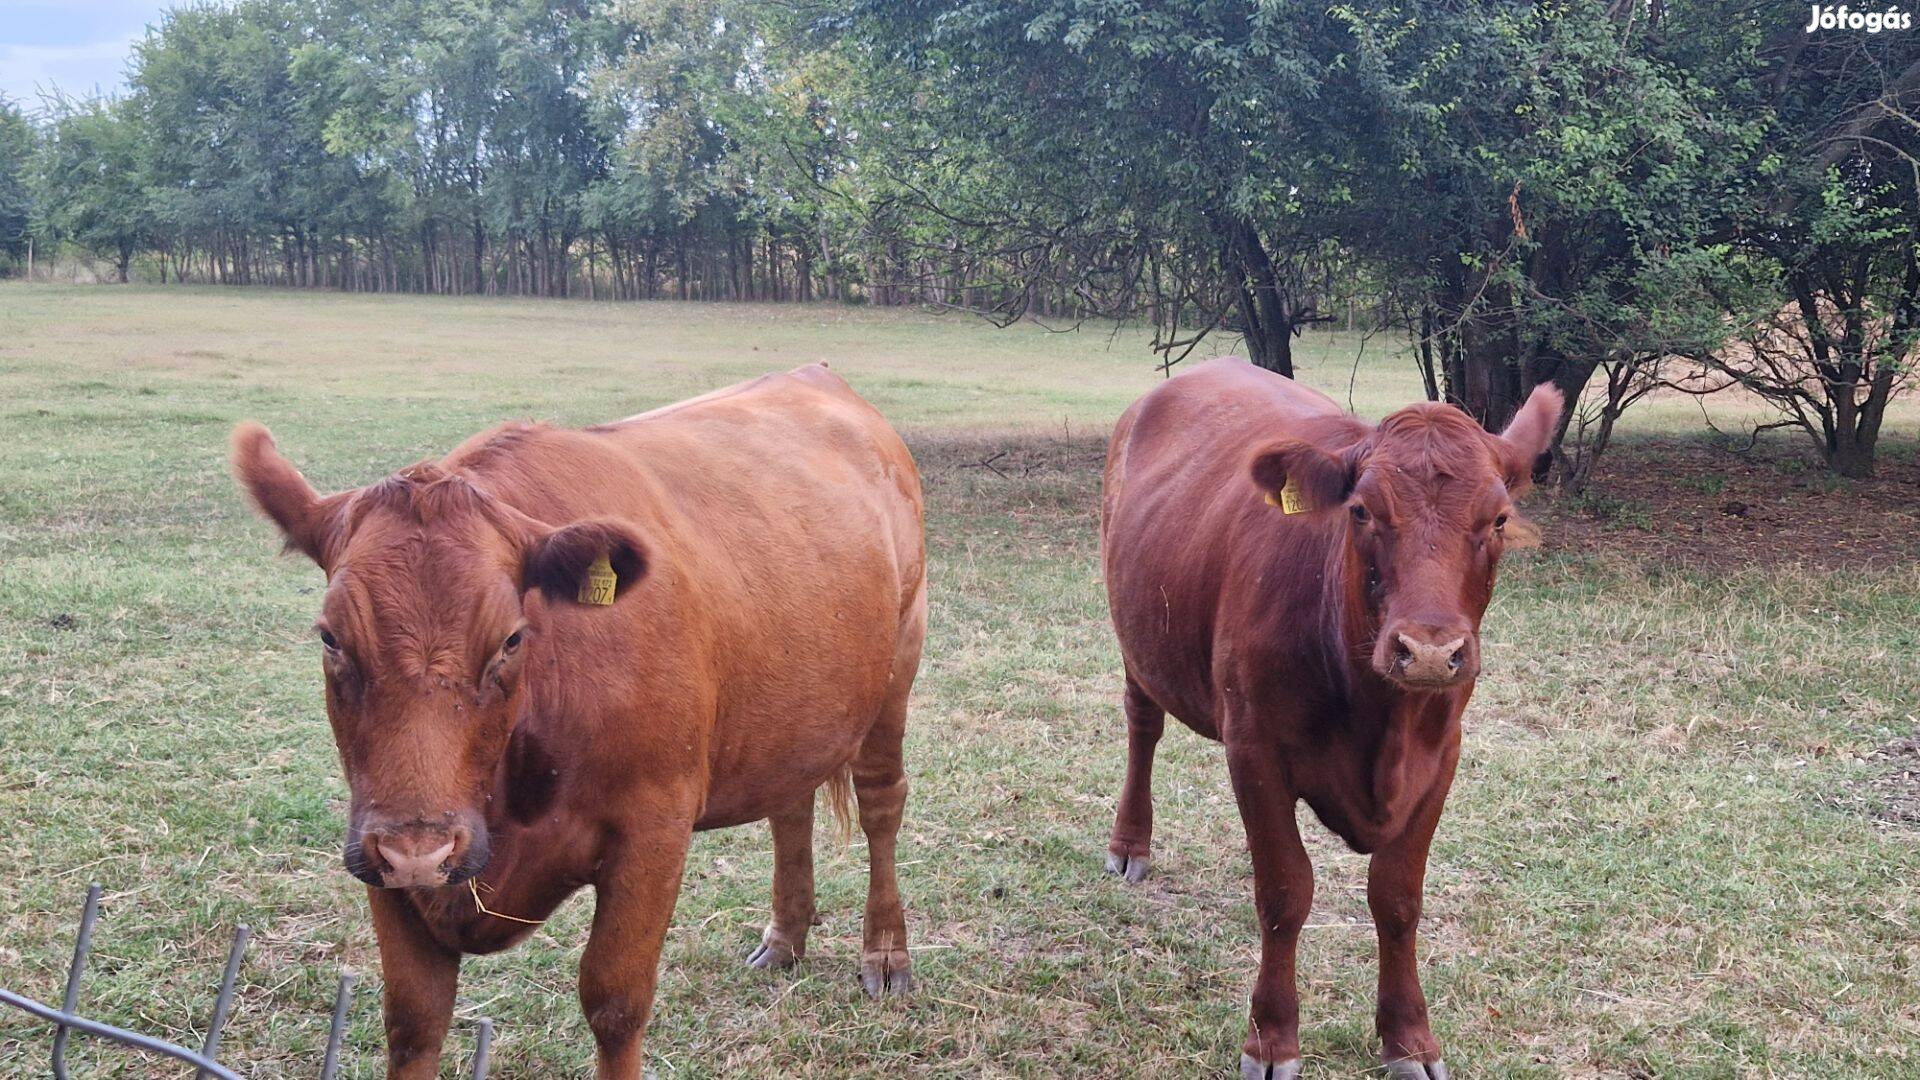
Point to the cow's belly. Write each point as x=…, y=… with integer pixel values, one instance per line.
x=1164, y=644
x=785, y=760
x=797, y=715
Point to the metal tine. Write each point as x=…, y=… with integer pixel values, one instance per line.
x=82, y=945
x=338, y=1030
x=211, y=1050
x=482, y=1048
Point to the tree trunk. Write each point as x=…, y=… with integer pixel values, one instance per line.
x=826, y=256
x=1852, y=454
x=479, y=242
x=1480, y=374
x=1263, y=311
x=1856, y=425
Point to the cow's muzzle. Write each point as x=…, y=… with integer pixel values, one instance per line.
x=417, y=854
x=1427, y=656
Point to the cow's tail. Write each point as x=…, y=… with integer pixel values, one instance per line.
x=840, y=800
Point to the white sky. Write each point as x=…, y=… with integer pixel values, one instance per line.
x=78, y=46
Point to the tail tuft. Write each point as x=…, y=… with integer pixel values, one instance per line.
x=840, y=800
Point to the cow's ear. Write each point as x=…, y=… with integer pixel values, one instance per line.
x=1529, y=435
x=1317, y=479
x=311, y=523
x=571, y=563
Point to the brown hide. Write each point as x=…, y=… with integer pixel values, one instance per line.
x=1331, y=649
x=766, y=627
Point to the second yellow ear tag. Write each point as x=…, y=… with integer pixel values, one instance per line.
x=598, y=586
x=1290, y=500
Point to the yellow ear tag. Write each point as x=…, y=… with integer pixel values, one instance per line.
x=1290, y=501
x=599, y=584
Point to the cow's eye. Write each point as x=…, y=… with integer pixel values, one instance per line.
x=1500, y=523
x=331, y=643
x=512, y=642
x=1359, y=513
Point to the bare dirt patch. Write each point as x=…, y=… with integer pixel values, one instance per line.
x=1675, y=500
x=1898, y=788
x=1013, y=454
x=1689, y=501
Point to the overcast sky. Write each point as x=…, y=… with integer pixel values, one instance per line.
x=79, y=46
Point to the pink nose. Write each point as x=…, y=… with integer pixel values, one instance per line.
x=1428, y=662
x=1427, y=655
x=409, y=865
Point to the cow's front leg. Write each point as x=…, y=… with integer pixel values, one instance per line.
x=634, y=894
x=1282, y=897
x=421, y=975
x=1396, y=879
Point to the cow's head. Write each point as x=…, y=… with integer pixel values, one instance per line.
x=1426, y=510
x=423, y=635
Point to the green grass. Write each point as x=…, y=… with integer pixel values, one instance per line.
x=1662, y=857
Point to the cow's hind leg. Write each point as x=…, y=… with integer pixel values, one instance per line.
x=785, y=939
x=1129, y=852
x=880, y=786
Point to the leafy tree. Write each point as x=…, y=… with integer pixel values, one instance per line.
x=1527, y=176
x=236, y=100
x=17, y=149
x=1597, y=194
x=1125, y=154
x=91, y=187
x=1825, y=297
x=1554, y=184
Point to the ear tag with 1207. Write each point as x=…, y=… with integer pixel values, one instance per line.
x=1289, y=500
x=598, y=586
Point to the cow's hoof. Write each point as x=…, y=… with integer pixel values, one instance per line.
x=1252, y=1068
x=1131, y=867
x=883, y=975
x=772, y=953
x=1411, y=1069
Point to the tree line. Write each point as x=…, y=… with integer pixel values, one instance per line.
x=1623, y=197
x=482, y=147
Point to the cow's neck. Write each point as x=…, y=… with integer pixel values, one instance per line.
x=1399, y=730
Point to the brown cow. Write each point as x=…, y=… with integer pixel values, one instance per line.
x=554, y=655
x=1307, y=588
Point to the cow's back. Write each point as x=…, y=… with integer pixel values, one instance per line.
x=794, y=461
x=1179, y=510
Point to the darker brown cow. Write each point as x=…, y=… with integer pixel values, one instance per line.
x=1307, y=588
x=554, y=655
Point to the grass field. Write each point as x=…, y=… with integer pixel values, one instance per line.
x=1672, y=851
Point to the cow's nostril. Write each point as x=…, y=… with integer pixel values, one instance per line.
x=1420, y=660
x=407, y=865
